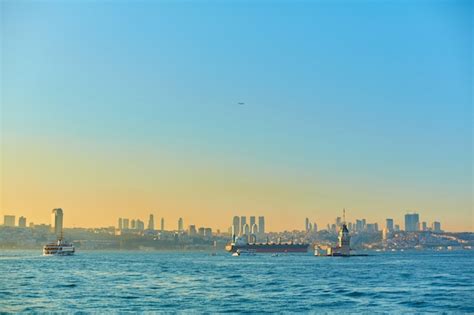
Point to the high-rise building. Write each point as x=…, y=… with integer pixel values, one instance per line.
x=133, y=224
x=252, y=221
x=180, y=225
x=261, y=225
x=412, y=221
x=338, y=221
x=236, y=225
x=384, y=234
x=9, y=220
x=306, y=225
x=120, y=224
x=207, y=232
x=436, y=227
x=201, y=231
x=246, y=229
x=139, y=225
x=243, y=221
x=151, y=223
x=254, y=229
x=397, y=227
x=192, y=230
x=424, y=227
x=125, y=224
x=315, y=227
x=162, y=224
x=389, y=225
x=57, y=221
x=22, y=222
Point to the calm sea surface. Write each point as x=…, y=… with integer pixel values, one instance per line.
x=137, y=281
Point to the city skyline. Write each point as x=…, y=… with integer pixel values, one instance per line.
x=290, y=110
x=411, y=223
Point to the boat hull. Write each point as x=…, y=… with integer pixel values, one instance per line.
x=269, y=248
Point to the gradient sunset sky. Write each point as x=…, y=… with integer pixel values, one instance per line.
x=121, y=109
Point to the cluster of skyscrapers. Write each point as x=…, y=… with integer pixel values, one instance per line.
x=138, y=225
x=56, y=221
x=413, y=224
x=240, y=227
x=10, y=220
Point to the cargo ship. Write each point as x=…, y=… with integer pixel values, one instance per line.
x=240, y=245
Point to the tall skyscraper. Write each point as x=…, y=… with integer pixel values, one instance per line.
x=315, y=227
x=246, y=229
x=57, y=221
x=180, y=225
x=162, y=224
x=133, y=224
x=22, y=222
x=252, y=221
x=254, y=229
x=436, y=226
x=120, y=224
x=306, y=225
x=9, y=220
x=412, y=221
x=236, y=225
x=261, y=225
x=243, y=221
x=151, y=223
x=389, y=225
x=192, y=230
x=125, y=224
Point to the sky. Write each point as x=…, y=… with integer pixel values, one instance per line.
x=125, y=108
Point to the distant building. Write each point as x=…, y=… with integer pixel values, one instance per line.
x=207, y=232
x=261, y=225
x=162, y=224
x=139, y=225
x=358, y=226
x=57, y=221
x=254, y=229
x=180, y=225
x=120, y=224
x=236, y=226
x=9, y=220
x=133, y=224
x=306, y=225
x=243, y=221
x=315, y=227
x=389, y=225
x=151, y=223
x=252, y=220
x=372, y=227
x=385, y=234
x=246, y=229
x=436, y=227
x=125, y=224
x=201, y=231
x=192, y=230
x=22, y=222
x=412, y=222
x=424, y=227
x=397, y=227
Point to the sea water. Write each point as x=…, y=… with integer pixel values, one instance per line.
x=198, y=282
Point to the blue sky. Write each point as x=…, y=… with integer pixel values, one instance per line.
x=365, y=98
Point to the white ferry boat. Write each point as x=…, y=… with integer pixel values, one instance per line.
x=58, y=248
